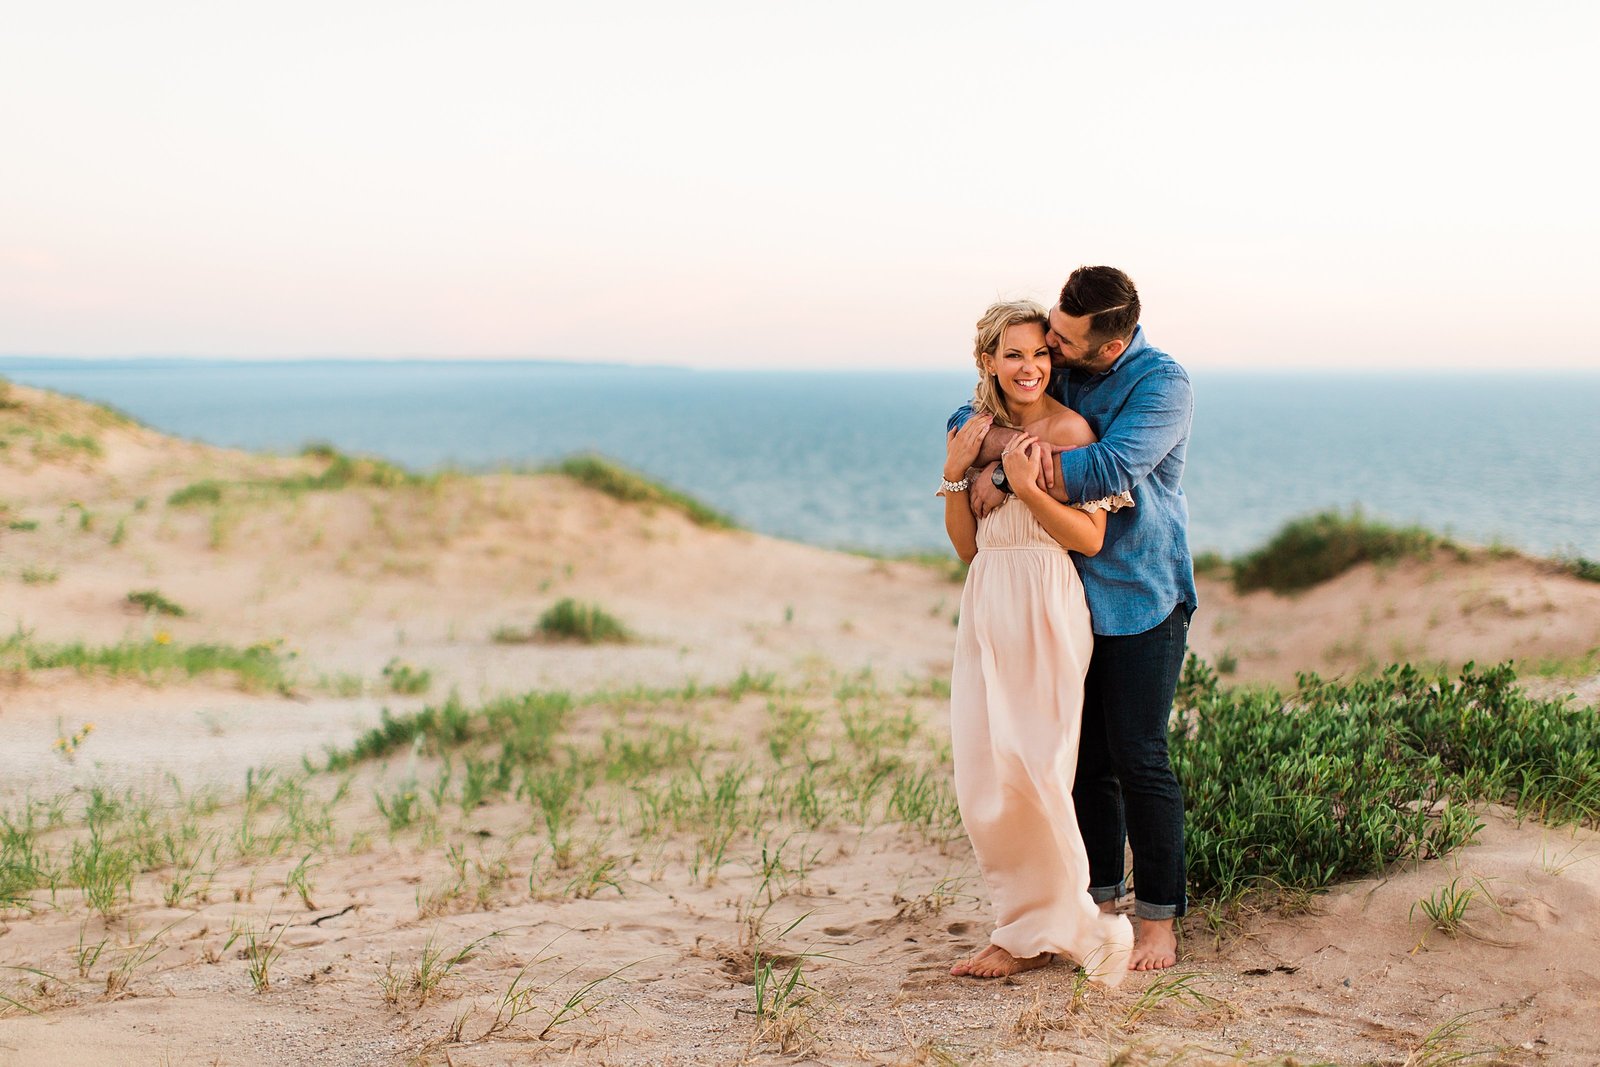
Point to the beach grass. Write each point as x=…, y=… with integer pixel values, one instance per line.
x=339, y=471
x=944, y=562
x=732, y=788
x=54, y=429
x=153, y=603
x=1285, y=792
x=206, y=491
x=258, y=667
x=405, y=679
x=617, y=481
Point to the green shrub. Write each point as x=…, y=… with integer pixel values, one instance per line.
x=1318, y=547
x=1210, y=564
x=617, y=481
x=152, y=601
x=571, y=621
x=1579, y=567
x=1341, y=779
x=343, y=471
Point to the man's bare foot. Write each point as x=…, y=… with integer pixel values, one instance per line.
x=996, y=962
x=1108, y=907
x=1155, y=946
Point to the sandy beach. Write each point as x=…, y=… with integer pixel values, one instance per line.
x=743, y=844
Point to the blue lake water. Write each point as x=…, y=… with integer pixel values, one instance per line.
x=851, y=459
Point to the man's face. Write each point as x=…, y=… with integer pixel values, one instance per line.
x=1070, y=346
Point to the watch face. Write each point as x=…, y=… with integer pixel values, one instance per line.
x=999, y=478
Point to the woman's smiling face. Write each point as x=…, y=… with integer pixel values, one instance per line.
x=1021, y=364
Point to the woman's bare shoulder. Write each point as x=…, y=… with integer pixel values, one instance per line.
x=1064, y=427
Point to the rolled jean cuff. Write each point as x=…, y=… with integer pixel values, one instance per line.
x=1155, y=912
x=1102, y=893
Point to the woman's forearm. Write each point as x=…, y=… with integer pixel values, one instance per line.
x=960, y=525
x=1073, y=529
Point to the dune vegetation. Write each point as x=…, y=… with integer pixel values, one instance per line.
x=629, y=486
x=500, y=841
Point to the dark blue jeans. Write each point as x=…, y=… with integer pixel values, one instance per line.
x=1125, y=789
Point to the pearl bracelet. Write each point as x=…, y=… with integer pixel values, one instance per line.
x=947, y=486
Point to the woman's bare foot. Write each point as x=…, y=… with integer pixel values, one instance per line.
x=1155, y=946
x=996, y=962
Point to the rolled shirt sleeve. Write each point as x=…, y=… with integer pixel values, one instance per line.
x=1152, y=422
x=959, y=419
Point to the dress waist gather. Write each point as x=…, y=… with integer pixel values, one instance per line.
x=1052, y=548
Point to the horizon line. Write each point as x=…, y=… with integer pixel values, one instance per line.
x=555, y=361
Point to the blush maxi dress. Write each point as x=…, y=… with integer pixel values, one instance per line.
x=1023, y=643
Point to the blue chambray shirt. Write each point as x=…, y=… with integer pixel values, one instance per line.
x=1141, y=410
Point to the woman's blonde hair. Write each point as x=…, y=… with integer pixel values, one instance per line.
x=987, y=398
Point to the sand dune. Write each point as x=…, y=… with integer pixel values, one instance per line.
x=833, y=648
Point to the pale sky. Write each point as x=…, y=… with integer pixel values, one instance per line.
x=801, y=185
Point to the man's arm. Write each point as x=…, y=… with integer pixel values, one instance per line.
x=996, y=441
x=1152, y=421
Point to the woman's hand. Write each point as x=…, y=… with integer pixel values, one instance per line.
x=983, y=496
x=961, y=446
x=1025, y=462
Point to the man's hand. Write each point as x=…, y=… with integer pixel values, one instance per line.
x=1000, y=440
x=1026, y=461
x=1049, y=463
x=983, y=496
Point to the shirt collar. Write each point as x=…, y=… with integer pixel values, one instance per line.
x=1135, y=346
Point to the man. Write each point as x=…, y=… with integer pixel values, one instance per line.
x=1140, y=589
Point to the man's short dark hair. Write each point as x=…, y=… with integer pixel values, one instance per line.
x=1106, y=294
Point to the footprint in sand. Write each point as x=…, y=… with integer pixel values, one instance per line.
x=664, y=934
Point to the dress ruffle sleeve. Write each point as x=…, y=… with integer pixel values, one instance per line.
x=1106, y=503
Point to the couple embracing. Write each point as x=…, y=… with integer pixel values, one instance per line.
x=1061, y=488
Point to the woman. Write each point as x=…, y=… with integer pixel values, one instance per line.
x=1022, y=649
